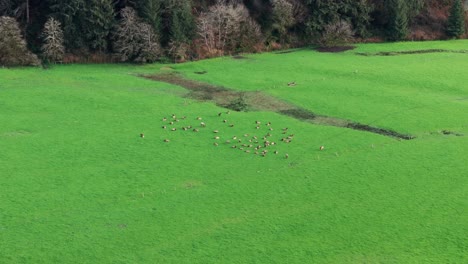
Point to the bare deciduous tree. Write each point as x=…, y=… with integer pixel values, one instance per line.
x=283, y=17
x=336, y=34
x=135, y=39
x=178, y=50
x=299, y=11
x=13, y=50
x=53, y=49
x=222, y=28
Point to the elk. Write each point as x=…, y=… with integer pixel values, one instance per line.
x=321, y=148
x=216, y=144
x=199, y=118
x=166, y=140
x=203, y=124
x=164, y=127
x=215, y=131
x=164, y=119
x=219, y=114
x=286, y=156
x=291, y=84
x=142, y=135
x=174, y=129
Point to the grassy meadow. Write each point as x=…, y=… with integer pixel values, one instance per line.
x=79, y=185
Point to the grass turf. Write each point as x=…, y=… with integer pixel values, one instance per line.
x=77, y=183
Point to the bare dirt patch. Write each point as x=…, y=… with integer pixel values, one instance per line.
x=381, y=131
x=409, y=52
x=335, y=49
x=258, y=101
x=239, y=57
x=448, y=132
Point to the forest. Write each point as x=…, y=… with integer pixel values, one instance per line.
x=142, y=31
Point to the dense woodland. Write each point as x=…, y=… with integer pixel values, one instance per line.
x=179, y=30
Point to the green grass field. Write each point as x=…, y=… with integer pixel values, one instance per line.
x=79, y=185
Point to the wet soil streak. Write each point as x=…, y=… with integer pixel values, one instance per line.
x=263, y=102
x=395, y=53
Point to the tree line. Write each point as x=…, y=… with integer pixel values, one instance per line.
x=150, y=30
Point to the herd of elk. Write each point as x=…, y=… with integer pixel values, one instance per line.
x=260, y=147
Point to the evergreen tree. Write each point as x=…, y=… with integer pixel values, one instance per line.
x=324, y=13
x=398, y=25
x=99, y=20
x=5, y=7
x=53, y=48
x=70, y=15
x=151, y=12
x=456, y=20
x=182, y=22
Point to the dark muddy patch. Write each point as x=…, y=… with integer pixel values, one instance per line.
x=335, y=49
x=299, y=113
x=285, y=51
x=200, y=72
x=258, y=101
x=409, y=52
x=381, y=131
x=448, y=132
x=239, y=57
